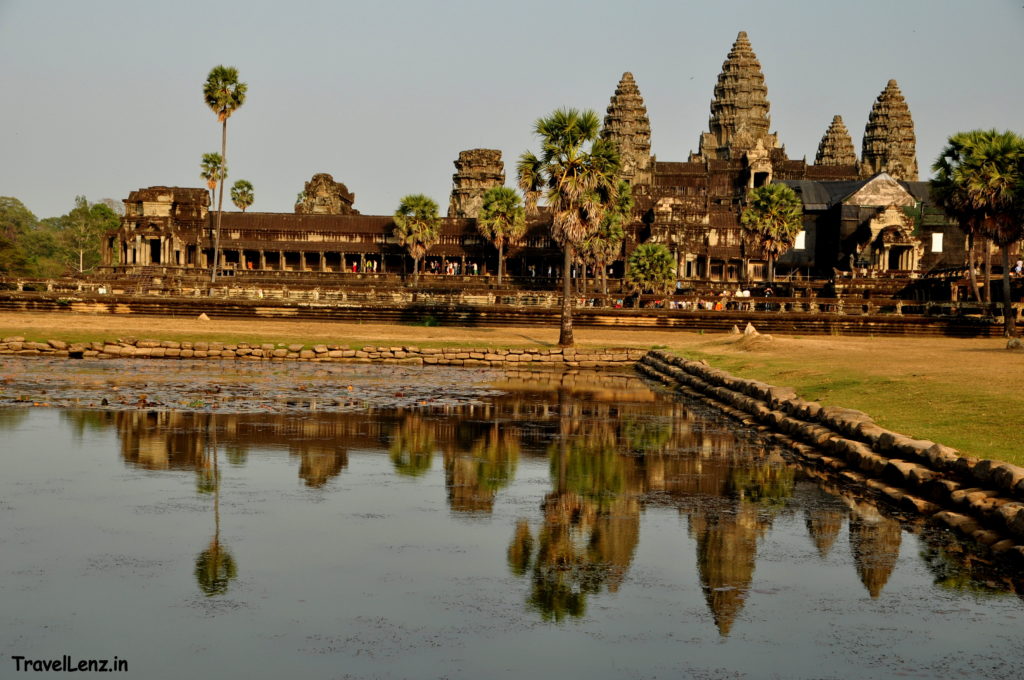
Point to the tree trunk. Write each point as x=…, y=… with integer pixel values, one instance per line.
x=604, y=278
x=220, y=200
x=970, y=268
x=501, y=262
x=771, y=269
x=416, y=271
x=988, y=275
x=1009, y=314
x=565, y=338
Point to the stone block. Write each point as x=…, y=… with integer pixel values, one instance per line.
x=295, y=347
x=57, y=344
x=320, y=349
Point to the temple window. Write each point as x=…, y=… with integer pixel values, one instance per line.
x=937, y=242
x=801, y=240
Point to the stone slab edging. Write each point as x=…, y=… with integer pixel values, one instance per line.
x=405, y=354
x=979, y=498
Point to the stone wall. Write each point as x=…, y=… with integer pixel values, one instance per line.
x=982, y=499
x=418, y=356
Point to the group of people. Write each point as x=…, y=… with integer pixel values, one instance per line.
x=453, y=268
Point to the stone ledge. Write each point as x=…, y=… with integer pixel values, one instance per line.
x=931, y=479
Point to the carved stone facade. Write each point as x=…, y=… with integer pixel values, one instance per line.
x=889, y=140
x=323, y=196
x=627, y=125
x=836, y=147
x=739, y=112
x=476, y=171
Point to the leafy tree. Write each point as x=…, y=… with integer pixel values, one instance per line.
x=81, y=231
x=16, y=222
x=502, y=221
x=242, y=194
x=979, y=181
x=417, y=227
x=774, y=217
x=605, y=245
x=651, y=267
x=224, y=94
x=213, y=171
x=576, y=171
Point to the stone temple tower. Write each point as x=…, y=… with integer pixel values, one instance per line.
x=739, y=112
x=836, y=147
x=889, y=142
x=627, y=125
x=476, y=171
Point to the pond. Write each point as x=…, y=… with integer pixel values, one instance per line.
x=367, y=521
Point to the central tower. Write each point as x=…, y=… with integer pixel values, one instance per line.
x=739, y=112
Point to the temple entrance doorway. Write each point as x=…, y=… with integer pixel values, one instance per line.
x=154, y=251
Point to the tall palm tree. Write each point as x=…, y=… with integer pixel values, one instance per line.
x=996, y=181
x=212, y=170
x=242, y=194
x=502, y=221
x=774, y=217
x=576, y=171
x=224, y=94
x=417, y=228
x=980, y=182
x=949, y=189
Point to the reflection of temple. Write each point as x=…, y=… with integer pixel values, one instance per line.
x=613, y=448
x=875, y=543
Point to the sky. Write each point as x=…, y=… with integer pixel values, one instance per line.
x=105, y=97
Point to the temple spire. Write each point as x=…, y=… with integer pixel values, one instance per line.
x=889, y=141
x=836, y=147
x=627, y=125
x=739, y=111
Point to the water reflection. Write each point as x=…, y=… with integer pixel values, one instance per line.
x=613, y=448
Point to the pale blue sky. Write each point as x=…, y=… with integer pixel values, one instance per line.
x=104, y=97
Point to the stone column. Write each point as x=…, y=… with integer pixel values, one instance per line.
x=302, y=260
x=263, y=259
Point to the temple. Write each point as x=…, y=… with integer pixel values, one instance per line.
x=870, y=213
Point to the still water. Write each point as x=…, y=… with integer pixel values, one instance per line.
x=490, y=526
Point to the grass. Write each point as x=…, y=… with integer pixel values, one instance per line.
x=979, y=423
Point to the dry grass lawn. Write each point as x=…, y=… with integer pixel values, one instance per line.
x=968, y=394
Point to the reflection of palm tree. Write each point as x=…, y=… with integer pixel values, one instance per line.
x=591, y=522
x=412, y=446
x=215, y=569
x=474, y=480
x=215, y=566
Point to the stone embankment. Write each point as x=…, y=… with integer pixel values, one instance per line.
x=446, y=356
x=983, y=499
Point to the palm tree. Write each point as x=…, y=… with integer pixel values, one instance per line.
x=417, y=227
x=774, y=217
x=242, y=195
x=979, y=181
x=651, y=267
x=224, y=94
x=579, y=186
x=502, y=221
x=213, y=171
x=604, y=246
x=949, y=189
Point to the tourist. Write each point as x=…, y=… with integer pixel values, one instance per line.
x=1018, y=268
